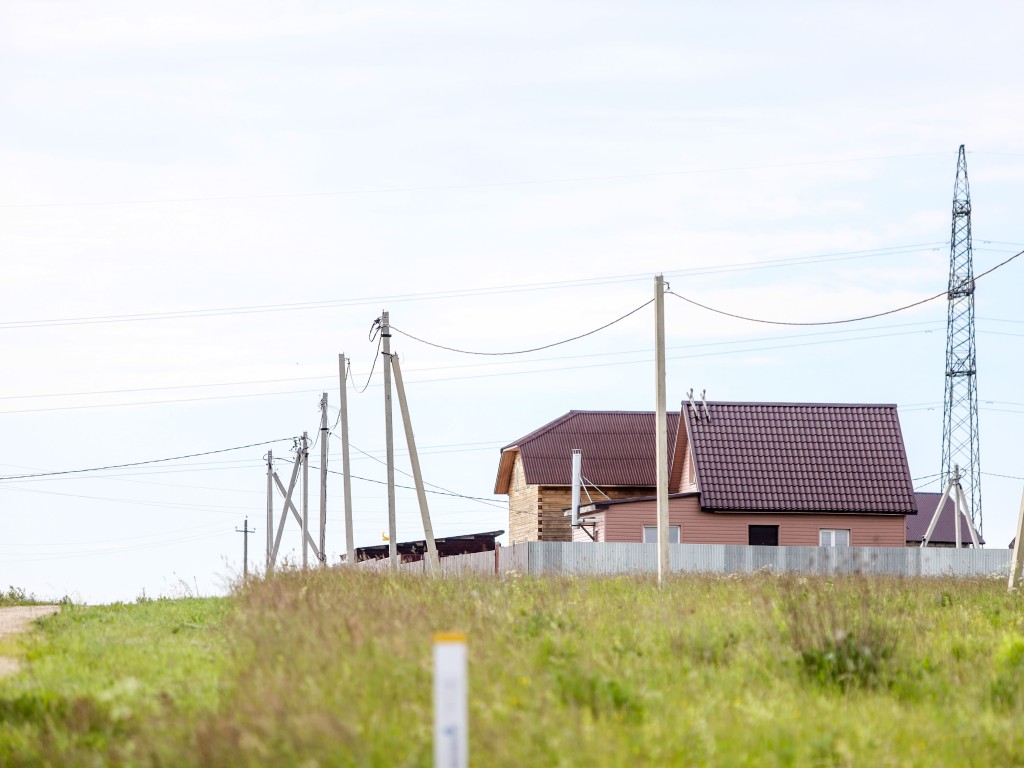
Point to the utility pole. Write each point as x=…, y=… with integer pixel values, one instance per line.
x=389, y=438
x=270, y=508
x=323, y=479
x=1018, y=542
x=350, y=542
x=245, y=548
x=433, y=561
x=305, y=500
x=960, y=441
x=661, y=429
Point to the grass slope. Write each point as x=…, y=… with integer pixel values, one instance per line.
x=330, y=668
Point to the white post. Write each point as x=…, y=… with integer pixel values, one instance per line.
x=957, y=509
x=270, y=507
x=305, y=500
x=322, y=555
x=451, y=694
x=577, y=481
x=661, y=429
x=1015, y=561
x=967, y=517
x=389, y=442
x=938, y=511
x=350, y=541
x=433, y=561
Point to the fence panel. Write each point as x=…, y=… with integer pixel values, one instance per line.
x=537, y=558
x=606, y=558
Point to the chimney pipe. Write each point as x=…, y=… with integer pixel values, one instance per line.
x=577, y=471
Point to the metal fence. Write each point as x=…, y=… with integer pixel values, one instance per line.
x=605, y=559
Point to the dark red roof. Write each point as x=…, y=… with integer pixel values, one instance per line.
x=944, y=532
x=618, y=448
x=800, y=457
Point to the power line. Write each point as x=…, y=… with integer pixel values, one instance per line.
x=413, y=488
x=433, y=485
x=525, y=351
x=327, y=378
x=506, y=373
x=845, y=320
x=1006, y=477
x=455, y=187
x=141, y=463
x=468, y=292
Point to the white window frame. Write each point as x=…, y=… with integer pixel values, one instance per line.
x=674, y=534
x=827, y=537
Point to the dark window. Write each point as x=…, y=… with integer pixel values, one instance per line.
x=764, y=535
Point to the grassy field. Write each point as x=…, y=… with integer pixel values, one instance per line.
x=330, y=668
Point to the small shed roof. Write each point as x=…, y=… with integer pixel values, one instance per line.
x=944, y=532
x=800, y=457
x=618, y=449
x=447, y=546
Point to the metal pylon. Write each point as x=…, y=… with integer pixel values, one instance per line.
x=960, y=444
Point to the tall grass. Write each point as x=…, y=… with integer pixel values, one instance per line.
x=334, y=668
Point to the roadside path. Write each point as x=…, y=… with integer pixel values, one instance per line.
x=18, y=619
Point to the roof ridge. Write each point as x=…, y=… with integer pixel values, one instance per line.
x=797, y=403
x=542, y=430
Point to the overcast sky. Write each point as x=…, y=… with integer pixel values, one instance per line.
x=202, y=204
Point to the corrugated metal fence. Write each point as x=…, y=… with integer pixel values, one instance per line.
x=588, y=559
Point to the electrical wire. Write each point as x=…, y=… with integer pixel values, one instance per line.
x=407, y=474
x=468, y=292
x=845, y=320
x=141, y=463
x=525, y=351
x=373, y=367
x=480, y=185
x=1005, y=477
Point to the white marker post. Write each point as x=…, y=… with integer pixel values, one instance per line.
x=451, y=710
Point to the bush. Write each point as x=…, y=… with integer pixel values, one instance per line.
x=843, y=636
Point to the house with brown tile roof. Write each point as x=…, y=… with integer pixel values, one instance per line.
x=536, y=470
x=741, y=473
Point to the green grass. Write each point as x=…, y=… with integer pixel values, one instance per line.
x=330, y=668
x=15, y=596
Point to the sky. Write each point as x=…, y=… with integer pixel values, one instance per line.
x=203, y=204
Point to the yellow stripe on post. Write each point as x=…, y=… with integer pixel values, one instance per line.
x=449, y=637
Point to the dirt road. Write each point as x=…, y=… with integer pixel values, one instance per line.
x=19, y=619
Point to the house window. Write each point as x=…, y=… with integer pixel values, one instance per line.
x=763, y=536
x=834, y=537
x=651, y=534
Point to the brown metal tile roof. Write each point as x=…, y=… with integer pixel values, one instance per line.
x=618, y=448
x=800, y=457
x=944, y=532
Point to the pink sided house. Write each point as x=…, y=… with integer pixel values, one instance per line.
x=782, y=474
x=791, y=474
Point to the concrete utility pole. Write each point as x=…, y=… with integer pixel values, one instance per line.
x=433, y=561
x=245, y=548
x=305, y=500
x=1015, y=560
x=661, y=429
x=323, y=479
x=270, y=508
x=389, y=438
x=350, y=541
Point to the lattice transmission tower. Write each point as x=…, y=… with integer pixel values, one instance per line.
x=960, y=407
